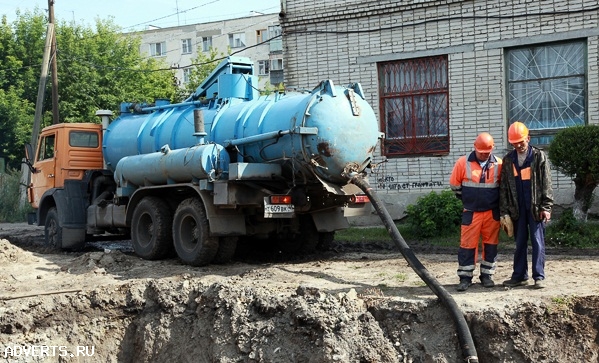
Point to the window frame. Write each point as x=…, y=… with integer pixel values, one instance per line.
x=186, y=75
x=420, y=110
x=264, y=67
x=186, y=46
x=154, y=47
x=545, y=87
x=78, y=134
x=261, y=36
x=206, y=43
x=277, y=64
x=234, y=37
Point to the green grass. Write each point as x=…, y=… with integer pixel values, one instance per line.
x=560, y=233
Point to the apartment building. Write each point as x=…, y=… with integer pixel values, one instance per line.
x=439, y=72
x=256, y=37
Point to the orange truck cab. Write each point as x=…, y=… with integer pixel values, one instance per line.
x=65, y=154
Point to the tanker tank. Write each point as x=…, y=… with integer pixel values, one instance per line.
x=330, y=130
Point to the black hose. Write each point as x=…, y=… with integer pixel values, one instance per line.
x=464, y=336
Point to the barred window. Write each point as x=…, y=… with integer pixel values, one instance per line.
x=414, y=96
x=547, y=88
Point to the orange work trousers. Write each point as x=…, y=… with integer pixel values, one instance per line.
x=477, y=225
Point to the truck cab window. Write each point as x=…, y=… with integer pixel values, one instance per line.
x=46, y=150
x=83, y=139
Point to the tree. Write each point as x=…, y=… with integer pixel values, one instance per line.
x=199, y=70
x=575, y=152
x=97, y=69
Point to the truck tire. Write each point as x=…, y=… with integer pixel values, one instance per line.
x=304, y=242
x=226, y=249
x=325, y=241
x=151, y=226
x=53, y=230
x=191, y=235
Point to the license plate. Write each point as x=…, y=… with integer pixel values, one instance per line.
x=278, y=210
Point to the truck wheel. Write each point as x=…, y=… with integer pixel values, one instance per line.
x=53, y=230
x=304, y=242
x=226, y=249
x=191, y=235
x=151, y=226
x=325, y=240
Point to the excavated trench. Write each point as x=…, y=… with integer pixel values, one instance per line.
x=188, y=321
x=322, y=308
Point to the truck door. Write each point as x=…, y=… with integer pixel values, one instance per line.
x=45, y=165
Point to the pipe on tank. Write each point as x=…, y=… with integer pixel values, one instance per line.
x=209, y=161
x=199, y=125
x=105, y=117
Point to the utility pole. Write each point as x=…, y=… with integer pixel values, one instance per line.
x=55, y=116
x=39, y=105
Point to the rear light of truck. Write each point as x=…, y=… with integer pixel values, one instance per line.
x=359, y=199
x=280, y=199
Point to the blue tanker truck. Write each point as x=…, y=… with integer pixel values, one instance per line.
x=224, y=167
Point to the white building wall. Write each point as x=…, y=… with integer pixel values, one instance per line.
x=219, y=31
x=344, y=40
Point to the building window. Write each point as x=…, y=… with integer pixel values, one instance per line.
x=276, y=64
x=237, y=40
x=414, y=103
x=261, y=36
x=158, y=49
x=263, y=67
x=547, y=88
x=276, y=42
x=274, y=30
x=206, y=44
x=185, y=46
x=186, y=75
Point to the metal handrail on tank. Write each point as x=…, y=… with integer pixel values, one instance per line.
x=230, y=65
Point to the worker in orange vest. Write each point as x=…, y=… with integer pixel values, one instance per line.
x=475, y=180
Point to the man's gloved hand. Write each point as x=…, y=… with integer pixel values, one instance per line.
x=506, y=224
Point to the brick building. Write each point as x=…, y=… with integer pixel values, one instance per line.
x=438, y=72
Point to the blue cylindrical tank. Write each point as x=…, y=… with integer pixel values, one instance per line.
x=167, y=166
x=329, y=130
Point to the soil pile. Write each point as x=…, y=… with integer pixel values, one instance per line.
x=360, y=305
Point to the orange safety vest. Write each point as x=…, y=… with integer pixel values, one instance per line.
x=478, y=187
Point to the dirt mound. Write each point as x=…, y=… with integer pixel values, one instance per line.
x=357, y=305
x=13, y=254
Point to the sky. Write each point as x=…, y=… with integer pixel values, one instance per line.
x=137, y=15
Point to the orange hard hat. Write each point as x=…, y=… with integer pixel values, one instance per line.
x=484, y=143
x=517, y=132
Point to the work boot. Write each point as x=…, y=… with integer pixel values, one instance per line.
x=513, y=282
x=539, y=284
x=464, y=285
x=487, y=281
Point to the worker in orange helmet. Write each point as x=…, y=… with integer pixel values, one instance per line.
x=475, y=180
x=526, y=200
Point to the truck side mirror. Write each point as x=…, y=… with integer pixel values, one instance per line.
x=29, y=157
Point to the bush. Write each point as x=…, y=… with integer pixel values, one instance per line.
x=435, y=214
x=10, y=208
x=567, y=231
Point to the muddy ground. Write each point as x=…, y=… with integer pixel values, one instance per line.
x=354, y=303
